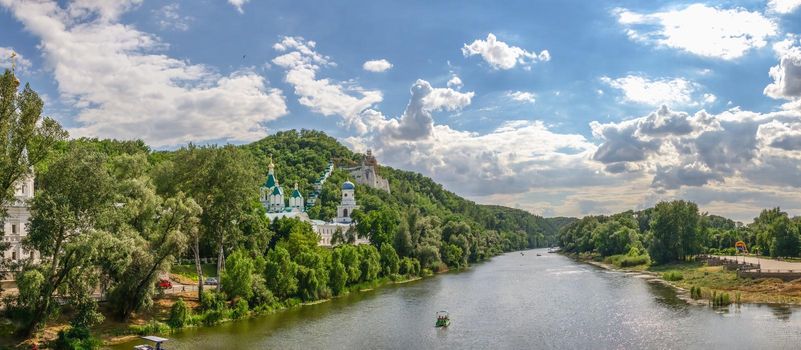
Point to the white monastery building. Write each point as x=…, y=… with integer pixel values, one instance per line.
x=15, y=224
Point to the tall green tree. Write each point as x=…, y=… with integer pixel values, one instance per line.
x=75, y=195
x=224, y=181
x=674, y=226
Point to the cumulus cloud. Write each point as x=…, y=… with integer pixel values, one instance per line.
x=501, y=55
x=124, y=86
x=455, y=82
x=678, y=149
x=522, y=96
x=238, y=4
x=787, y=74
x=701, y=30
x=325, y=96
x=783, y=6
x=377, y=66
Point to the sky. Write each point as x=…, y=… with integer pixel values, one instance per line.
x=556, y=107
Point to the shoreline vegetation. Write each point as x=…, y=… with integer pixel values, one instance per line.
x=699, y=284
x=110, y=218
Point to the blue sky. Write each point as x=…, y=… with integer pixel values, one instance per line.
x=551, y=106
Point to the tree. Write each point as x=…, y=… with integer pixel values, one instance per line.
x=224, y=182
x=238, y=275
x=338, y=276
x=75, y=194
x=157, y=229
x=370, y=262
x=280, y=273
x=389, y=260
x=26, y=138
x=674, y=226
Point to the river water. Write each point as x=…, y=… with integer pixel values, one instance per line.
x=514, y=301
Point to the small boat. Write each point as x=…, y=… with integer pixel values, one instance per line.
x=443, y=319
x=156, y=340
x=538, y=254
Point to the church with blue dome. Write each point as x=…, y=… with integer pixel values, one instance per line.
x=277, y=205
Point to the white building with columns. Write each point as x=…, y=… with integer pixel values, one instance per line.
x=343, y=222
x=15, y=224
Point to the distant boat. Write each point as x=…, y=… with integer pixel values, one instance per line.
x=443, y=319
x=553, y=250
x=538, y=254
x=157, y=340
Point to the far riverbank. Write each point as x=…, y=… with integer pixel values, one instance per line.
x=711, y=280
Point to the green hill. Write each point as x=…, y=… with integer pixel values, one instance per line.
x=302, y=156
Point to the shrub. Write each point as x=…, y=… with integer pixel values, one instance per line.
x=240, y=309
x=213, y=317
x=76, y=338
x=152, y=327
x=180, y=315
x=695, y=292
x=672, y=276
x=212, y=301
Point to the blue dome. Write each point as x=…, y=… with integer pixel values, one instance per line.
x=348, y=186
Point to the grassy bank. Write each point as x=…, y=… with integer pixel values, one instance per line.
x=704, y=282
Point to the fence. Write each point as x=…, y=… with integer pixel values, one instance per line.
x=750, y=270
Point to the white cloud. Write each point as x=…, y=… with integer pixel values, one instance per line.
x=348, y=100
x=23, y=64
x=377, y=66
x=522, y=96
x=701, y=30
x=124, y=87
x=502, y=56
x=783, y=6
x=655, y=92
x=169, y=17
x=238, y=4
x=455, y=82
x=787, y=74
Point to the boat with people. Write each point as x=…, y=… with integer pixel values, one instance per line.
x=443, y=319
x=158, y=341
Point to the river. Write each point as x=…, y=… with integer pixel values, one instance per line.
x=513, y=301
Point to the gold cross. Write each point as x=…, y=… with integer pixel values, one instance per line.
x=13, y=60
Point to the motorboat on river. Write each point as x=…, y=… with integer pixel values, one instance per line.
x=443, y=319
x=158, y=341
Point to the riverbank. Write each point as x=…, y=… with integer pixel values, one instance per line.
x=710, y=280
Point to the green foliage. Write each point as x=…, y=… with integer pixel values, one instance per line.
x=695, y=292
x=238, y=275
x=240, y=309
x=76, y=338
x=280, y=273
x=409, y=267
x=370, y=262
x=150, y=328
x=390, y=263
x=672, y=276
x=180, y=315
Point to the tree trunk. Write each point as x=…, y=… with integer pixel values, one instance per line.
x=198, y=268
x=220, y=267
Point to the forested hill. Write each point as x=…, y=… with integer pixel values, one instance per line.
x=302, y=156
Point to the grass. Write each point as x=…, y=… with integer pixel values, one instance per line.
x=189, y=272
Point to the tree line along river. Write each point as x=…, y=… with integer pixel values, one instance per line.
x=514, y=301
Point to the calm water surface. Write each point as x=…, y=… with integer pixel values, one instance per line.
x=512, y=302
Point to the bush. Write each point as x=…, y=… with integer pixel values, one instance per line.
x=180, y=315
x=212, y=301
x=76, y=338
x=629, y=261
x=240, y=309
x=722, y=299
x=695, y=292
x=152, y=327
x=672, y=276
x=213, y=317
